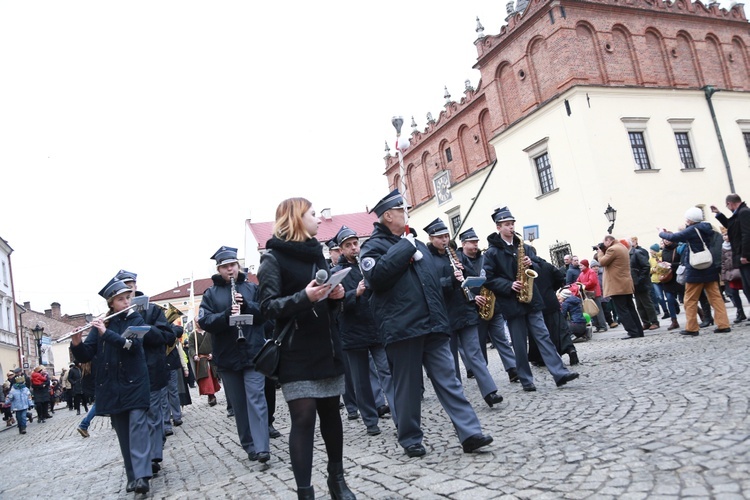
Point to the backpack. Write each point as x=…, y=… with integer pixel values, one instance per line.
x=717, y=240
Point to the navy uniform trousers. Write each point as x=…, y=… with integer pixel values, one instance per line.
x=468, y=339
x=245, y=389
x=133, y=435
x=156, y=424
x=407, y=358
x=495, y=330
x=533, y=324
x=369, y=394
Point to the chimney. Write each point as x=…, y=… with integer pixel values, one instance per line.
x=48, y=313
x=27, y=306
x=326, y=213
x=55, y=310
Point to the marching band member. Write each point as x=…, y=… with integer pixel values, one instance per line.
x=122, y=384
x=311, y=371
x=462, y=313
x=359, y=335
x=155, y=343
x=232, y=294
x=501, y=266
x=493, y=328
x=409, y=309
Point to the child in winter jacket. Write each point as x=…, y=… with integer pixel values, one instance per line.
x=19, y=399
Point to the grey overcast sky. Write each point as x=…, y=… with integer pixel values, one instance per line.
x=141, y=135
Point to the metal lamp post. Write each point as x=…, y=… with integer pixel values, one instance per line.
x=611, y=215
x=38, y=332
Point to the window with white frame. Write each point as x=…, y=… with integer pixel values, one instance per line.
x=683, y=136
x=745, y=129
x=454, y=219
x=541, y=166
x=639, y=144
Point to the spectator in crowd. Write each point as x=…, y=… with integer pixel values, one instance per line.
x=698, y=235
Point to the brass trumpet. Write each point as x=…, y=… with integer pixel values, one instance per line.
x=172, y=313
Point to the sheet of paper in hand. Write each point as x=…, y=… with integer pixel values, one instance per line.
x=473, y=281
x=136, y=332
x=335, y=279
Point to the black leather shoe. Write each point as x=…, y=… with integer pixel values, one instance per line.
x=708, y=322
x=493, y=398
x=230, y=412
x=272, y=432
x=513, y=375
x=632, y=337
x=353, y=415
x=130, y=487
x=475, y=442
x=252, y=456
x=722, y=330
x=169, y=432
x=177, y=423
x=469, y=374
x=373, y=430
x=529, y=388
x=573, y=356
x=264, y=457
x=566, y=378
x=688, y=332
x=155, y=467
x=415, y=450
x=383, y=411
x=666, y=316
x=141, y=485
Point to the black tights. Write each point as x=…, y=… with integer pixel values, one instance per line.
x=302, y=435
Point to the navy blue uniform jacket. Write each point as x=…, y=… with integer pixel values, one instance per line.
x=216, y=307
x=121, y=375
x=407, y=298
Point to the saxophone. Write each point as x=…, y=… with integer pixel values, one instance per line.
x=525, y=276
x=488, y=310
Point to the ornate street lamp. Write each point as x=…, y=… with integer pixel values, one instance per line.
x=611, y=215
x=38, y=332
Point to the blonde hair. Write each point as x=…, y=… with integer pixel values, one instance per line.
x=289, y=224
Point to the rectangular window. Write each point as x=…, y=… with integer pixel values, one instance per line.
x=683, y=146
x=746, y=136
x=640, y=154
x=544, y=171
x=455, y=222
x=448, y=155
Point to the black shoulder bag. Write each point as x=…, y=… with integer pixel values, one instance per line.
x=267, y=359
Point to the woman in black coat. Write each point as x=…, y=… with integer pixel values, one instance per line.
x=311, y=371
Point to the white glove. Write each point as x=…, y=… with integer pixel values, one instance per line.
x=128, y=344
x=410, y=238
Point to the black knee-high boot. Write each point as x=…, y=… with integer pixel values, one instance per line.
x=336, y=483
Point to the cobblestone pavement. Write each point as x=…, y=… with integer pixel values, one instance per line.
x=665, y=416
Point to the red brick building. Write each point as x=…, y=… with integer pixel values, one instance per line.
x=568, y=88
x=558, y=44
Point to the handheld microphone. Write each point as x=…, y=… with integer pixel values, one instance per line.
x=321, y=276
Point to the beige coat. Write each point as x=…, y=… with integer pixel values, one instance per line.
x=616, y=264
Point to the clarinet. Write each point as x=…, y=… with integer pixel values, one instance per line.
x=453, y=258
x=240, y=335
